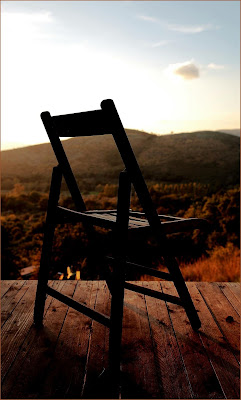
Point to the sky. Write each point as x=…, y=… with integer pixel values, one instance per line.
x=169, y=66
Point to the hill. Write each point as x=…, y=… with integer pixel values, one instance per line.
x=205, y=157
x=235, y=132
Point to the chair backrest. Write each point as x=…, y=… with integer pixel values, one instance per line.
x=98, y=122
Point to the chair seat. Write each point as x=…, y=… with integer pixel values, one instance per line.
x=137, y=221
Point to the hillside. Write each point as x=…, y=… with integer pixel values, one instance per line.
x=235, y=132
x=205, y=157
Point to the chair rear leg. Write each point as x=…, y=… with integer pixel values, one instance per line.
x=43, y=274
x=183, y=292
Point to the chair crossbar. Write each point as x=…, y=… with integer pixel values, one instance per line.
x=154, y=293
x=97, y=316
x=144, y=269
x=81, y=124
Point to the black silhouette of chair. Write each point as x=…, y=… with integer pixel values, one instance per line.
x=122, y=222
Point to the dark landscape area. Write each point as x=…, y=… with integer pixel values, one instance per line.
x=192, y=174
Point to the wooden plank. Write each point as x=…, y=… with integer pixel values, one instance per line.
x=30, y=378
x=235, y=287
x=223, y=313
x=16, y=327
x=11, y=299
x=5, y=285
x=96, y=381
x=66, y=371
x=230, y=296
x=154, y=333
x=14, y=345
x=222, y=359
x=201, y=375
x=11, y=292
x=168, y=360
x=139, y=375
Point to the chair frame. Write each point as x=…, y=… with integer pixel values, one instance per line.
x=105, y=121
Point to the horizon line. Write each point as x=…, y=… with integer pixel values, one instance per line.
x=228, y=131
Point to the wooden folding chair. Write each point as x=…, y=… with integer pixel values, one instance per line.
x=122, y=222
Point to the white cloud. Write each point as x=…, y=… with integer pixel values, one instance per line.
x=215, y=66
x=187, y=70
x=147, y=18
x=24, y=26
x=160, y=43
x=189, y=28
x=11, y=18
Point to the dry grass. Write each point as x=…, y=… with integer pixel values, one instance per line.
x=223, y=265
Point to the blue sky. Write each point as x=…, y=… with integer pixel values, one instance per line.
x=168, y=65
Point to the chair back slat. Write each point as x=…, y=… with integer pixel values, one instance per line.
x=81, y=124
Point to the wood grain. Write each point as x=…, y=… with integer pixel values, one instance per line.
x=30, y=379
x=201, y=375
x=223, y=313
x=162, y=357
x=5, y=285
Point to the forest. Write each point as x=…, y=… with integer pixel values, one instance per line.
x=210, y=256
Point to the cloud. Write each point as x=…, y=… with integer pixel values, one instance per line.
x=215, y=66
x=147, y=18
x=189, y=28
x=20, y=26
x=187, y=70
x=161, y=43
x=39, y=17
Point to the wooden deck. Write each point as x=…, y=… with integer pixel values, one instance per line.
x=162, y=356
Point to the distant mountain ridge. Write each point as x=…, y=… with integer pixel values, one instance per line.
x=235, y=132
x=205, y=157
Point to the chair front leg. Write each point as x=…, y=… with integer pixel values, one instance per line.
x=43, y=274
x=47, y=245
x=118, y=280
x=116, y=325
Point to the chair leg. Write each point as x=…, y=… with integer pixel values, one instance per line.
x=43, y=274
x=47, y=246
x=183, y=292
x=116, y=327
x=118, y=280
